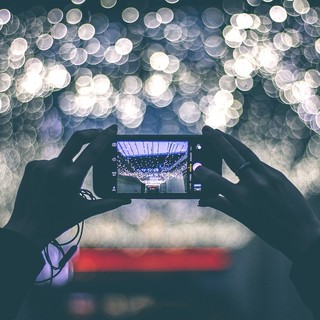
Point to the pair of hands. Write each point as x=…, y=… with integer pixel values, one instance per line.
x=48, y=201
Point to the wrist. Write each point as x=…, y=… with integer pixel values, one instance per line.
x=306, y=239
x=24, y=231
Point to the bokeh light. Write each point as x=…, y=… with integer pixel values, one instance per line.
x=250, y=69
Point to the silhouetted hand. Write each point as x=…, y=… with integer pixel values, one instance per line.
x=48, y=201
x=264, y=199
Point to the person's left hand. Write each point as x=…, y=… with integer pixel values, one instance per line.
x=48, y=201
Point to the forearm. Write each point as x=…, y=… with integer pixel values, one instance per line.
x=305, y=274
x=20, y=264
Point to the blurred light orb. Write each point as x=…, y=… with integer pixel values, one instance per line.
x=189, y=112
x=233, y=6
x=223, y=99
x=173, y=32
x=268, y=58
x=311, y=17
x=19, y=46
x=132, y=85
x=5, y=82
x=108, y=4
x=4, y=103
x=123, y=46
x=172, y=1
x=244, y=21
x=111, y=55
x=74, y=16
x=227, y=83
x=78, y=1
x=92, y=46
x=55, y=16
x=234, y=36
x=152, y=20
x=159, y=61
x=44, y=42
x=174, y=64
x=317, y=45
x=301, y=90
x=278, y=14
x=58, y=77
x=86, y=31
x=84, y=85
x=130, y=15
x=32, y=82
x=301, y=6
x=5, y=16
x=243, y=67
x=212, y=18
x=215, y=46
x=156, y=85
x=312, y=77
x=101, y=84
x=244, y=84
x=79, y=56
x=59, y=31
x=166, y=15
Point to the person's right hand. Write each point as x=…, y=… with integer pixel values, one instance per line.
x=264, y=199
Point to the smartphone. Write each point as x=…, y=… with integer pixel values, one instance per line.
x=154, y=167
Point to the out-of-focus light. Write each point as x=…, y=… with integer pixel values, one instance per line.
x=243, y=67
x=278, y=14
x=67, y=69
x=166, y=15
x=189, y=112
x=86, y=31
x=58, y=77
x=44, y=42
x=152, y=20
x=74, y=16
x=213, y=18
x=59, y=31
x=101, y=84
x=301, y=6
x=55, y=16
x=233, y=6
x=317, y=45
x=18, y=46
x=244, y=21
x=81, y=304
x=156, y=85
x=108, y=4
x=78, y=1
x=130, y=15
x=5, y=16
x=123, y=46
x=172, y=1
x=111, y=55
x=159, y=61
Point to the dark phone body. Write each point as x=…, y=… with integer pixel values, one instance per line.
x=154, y=167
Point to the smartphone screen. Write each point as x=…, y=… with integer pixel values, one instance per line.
x=153, y=167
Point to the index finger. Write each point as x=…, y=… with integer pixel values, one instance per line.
x=76, y=142
x=87, y=158
x=227, y=151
